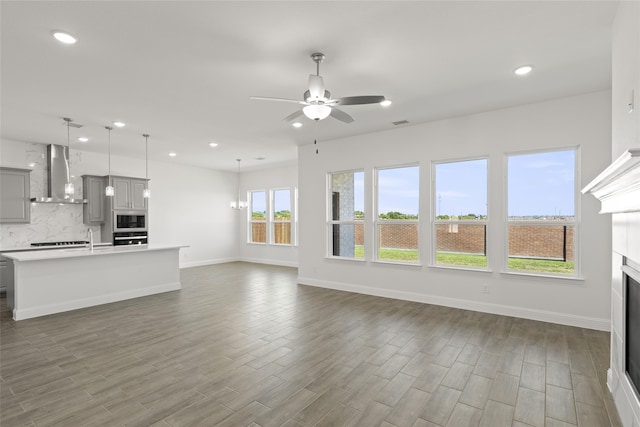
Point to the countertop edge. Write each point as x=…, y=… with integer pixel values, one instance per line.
x=42, y=255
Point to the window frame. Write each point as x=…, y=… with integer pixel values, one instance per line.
x=435, y=222
x=331, y=222
x=272, y=221
x=377, y=221
x=575, y=223
x=250, y=220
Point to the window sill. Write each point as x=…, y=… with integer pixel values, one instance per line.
x=459, y=267
x=271, y=244
x=409, y=264
x=344, y=258
x=543, y=276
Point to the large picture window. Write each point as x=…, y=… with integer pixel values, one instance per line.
x=281, y=214
x=346, y=214
x=460, y=214
x=397, y=214
x=541, y=212
x=258, y=217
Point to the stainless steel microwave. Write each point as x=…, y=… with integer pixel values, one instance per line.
x=129, y=221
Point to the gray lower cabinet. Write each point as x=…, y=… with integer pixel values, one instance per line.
x=129, y=193
x=93, y=187
x=6, y=279
x=15, y=204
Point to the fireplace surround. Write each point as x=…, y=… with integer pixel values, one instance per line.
x=618, y=189
x=631, y=359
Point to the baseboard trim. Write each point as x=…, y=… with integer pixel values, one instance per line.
x=184, y=264
x=269, y=262
x=45, y=310
x=521, y=312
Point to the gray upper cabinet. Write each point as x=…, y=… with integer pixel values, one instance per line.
x=129, y=193
x=93, y=187
x=15, y=205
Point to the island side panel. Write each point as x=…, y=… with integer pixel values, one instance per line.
x=55, y=285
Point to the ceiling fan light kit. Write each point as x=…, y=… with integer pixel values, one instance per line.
x=317, y=111
x=317, y=101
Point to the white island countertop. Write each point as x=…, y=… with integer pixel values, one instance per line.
x=39, y=255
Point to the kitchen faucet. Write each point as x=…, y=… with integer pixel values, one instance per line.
x=91, y=240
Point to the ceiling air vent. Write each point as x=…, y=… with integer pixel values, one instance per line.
x=400, y=122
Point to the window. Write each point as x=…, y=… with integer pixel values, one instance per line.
x=346, y=214
x=258, y=217
x=460, y=214
x=541, y=212
x=281, y=214
x=397, y=211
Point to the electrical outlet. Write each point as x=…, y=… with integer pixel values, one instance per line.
x=485, y=289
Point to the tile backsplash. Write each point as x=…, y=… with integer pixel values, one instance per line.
x=49, y=222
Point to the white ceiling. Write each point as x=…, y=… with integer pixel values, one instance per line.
x=183, y=71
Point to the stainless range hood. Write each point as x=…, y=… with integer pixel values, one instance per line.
x=58, y=176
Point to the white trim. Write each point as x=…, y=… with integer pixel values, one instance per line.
x=186, y=264
x=626, y=402
x=43, y=310
x=504, y=310
x=269, y=262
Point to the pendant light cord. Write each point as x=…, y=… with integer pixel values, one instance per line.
x=146, y=155
x=68, y=162
x=109, y=146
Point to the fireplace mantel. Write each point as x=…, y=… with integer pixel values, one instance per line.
x=618, y=186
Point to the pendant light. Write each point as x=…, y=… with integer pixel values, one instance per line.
x=109, y=190
x=239, y=204
x=146, y=193
x=68, y=187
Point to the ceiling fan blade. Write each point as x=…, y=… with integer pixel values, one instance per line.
x=293, y=116
x=264, y=98
x=316, y=86
x=358, y=100
x=340, y=115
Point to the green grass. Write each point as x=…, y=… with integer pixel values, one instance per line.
x=463, y=260
x=541, y=266
x=469, y=260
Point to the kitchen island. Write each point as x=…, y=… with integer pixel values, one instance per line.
x=53, y=281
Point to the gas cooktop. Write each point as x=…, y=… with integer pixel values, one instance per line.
x=63, y=243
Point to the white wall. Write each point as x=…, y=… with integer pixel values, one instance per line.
x=188, y=205
x=267, y=179
x=626, y=226
x=583, y=120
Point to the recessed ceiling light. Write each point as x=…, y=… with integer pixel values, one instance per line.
x=213, y=144
x=32, y=165
x=386, y=103
x=119, y=124
x=64, y=37
x=172, y=154
x=525, y=69
x=296, y=125
x=83, y=139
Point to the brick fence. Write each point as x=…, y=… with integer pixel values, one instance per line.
x=527, y=241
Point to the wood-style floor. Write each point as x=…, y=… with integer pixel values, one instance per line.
x=244, y=345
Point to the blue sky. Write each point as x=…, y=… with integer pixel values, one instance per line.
x=461, y=188
x=539, y=184
x=542, y=184
x=281, y=201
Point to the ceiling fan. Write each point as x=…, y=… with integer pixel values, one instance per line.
x=317, y=101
